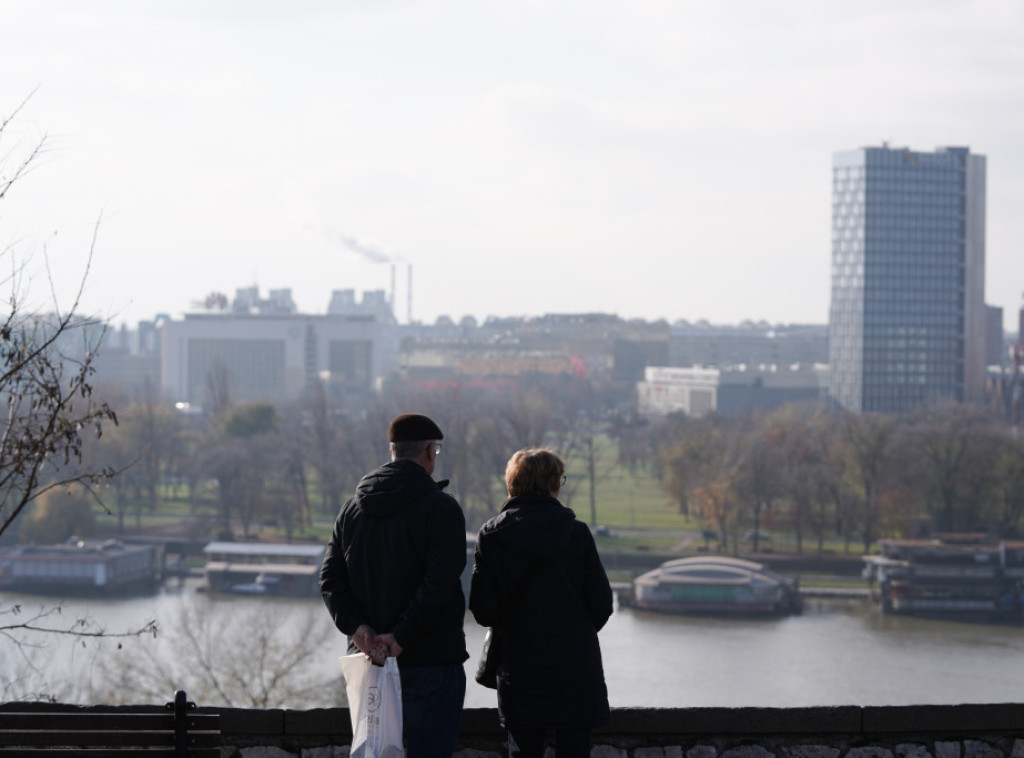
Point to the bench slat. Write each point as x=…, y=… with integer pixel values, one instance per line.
x=105, y=721
x=95, y=753
x=33, y=731
x=110, y=739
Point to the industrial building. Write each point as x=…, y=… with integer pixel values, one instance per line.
x=264, y=350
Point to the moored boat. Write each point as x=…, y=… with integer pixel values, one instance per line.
x=950, y=575
x=715, y=585
x=256, y=568
x=80, y=567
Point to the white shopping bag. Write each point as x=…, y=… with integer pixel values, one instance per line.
x=375, y=707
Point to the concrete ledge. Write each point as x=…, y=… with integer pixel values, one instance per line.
x=938, y=719
x=333, y=721
x=737, y=721
x=842, y=728
x=919, y=731
x=252, y=721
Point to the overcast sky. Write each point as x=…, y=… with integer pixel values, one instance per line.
x=650, y=158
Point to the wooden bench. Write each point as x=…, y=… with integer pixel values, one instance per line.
x=36, y=730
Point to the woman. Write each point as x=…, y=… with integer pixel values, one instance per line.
x=538, y=578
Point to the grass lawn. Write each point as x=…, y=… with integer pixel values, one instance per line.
x=622, y=499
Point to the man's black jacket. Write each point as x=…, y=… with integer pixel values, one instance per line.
x=395, y=562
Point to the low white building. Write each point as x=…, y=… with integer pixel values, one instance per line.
x=694, y=391
x=730, y=391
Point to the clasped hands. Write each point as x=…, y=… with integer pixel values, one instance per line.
x=375, y=646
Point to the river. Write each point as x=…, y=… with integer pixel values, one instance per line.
x=838, y=652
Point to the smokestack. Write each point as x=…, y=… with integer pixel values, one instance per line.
x=409, y=294
x=391, y=299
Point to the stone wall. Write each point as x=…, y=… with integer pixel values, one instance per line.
x=962, y=731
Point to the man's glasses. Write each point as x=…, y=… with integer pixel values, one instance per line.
x=563, y=480
x=437, y=448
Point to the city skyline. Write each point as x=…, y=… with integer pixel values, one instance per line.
x=658, y=161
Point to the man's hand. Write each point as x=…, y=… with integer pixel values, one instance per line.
x=366, y=639
x=373, y=646
x=389, y=641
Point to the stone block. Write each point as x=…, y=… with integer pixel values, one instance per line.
x=674, y=751
x=607, y=751
x=912, y=750
x=870, y=751
x=979, y=749
x=267, y=751
x=702, y=751
x=1018, y=749
x=810, y=751
x=329, y=751
x=748, y=751
x=948, y=749
x=649, y=752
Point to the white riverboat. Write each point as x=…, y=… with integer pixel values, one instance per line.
x=257, y=568
x=717, y=585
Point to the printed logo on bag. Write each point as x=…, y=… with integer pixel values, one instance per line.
x=373, y=699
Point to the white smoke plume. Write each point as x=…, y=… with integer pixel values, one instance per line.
x=311, y=222
x=370, y=252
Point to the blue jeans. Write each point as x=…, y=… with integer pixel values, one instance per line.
x=529, y=743
x=432, y=698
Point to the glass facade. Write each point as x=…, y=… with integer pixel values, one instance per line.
x=907, y=273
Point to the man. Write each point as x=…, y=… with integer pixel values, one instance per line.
x=391, y=578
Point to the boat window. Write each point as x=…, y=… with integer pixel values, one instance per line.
x=711, y=573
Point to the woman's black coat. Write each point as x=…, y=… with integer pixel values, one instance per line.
x=538, y=576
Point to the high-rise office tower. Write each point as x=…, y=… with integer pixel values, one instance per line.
x=907, y=319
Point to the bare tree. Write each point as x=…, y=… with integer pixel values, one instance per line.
x=869, y=446
x=701, y=470
x=223, y=657
x=50, y=414
x=29, y=636
x=802, y=459
x=952, y=449
x=49, y=409
x=1009, y=477
x=324, y=434
x=760, y=472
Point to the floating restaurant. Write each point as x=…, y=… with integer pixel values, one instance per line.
x=950, y=574
x=80, y=567
x=716, y=585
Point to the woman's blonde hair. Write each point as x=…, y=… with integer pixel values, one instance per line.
x=534, y=471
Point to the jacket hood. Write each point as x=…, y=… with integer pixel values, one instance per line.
x=534, y=527
x=386, y=490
